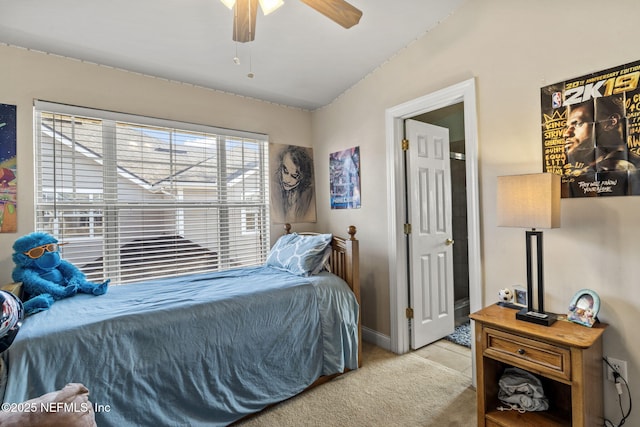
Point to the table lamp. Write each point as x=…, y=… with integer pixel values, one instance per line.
x=531, y=201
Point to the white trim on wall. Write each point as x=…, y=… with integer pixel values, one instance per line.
x=395, y=116
x=374, y=337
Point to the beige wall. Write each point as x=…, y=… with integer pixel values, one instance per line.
x=26, y=76
x=512, y=49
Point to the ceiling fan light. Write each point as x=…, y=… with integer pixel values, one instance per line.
x=269, y=6
x=229, y=3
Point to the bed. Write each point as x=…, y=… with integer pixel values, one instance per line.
x=200, y=349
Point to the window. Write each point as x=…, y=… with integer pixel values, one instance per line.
x=250, y=221
x=136, y=198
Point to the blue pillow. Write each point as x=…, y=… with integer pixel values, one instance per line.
x=299, y=254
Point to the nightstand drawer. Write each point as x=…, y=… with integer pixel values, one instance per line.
x=535, y=356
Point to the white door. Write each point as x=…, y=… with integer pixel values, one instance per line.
x=431, y=244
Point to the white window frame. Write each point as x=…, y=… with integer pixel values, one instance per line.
x=230, y=214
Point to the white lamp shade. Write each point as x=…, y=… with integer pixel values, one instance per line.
x=529, y=201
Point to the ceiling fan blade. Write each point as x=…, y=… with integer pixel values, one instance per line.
x=338, y=11
x=244, y=20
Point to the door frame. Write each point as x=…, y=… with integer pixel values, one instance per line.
x=398, y=256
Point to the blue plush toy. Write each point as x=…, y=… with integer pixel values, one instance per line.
x=45, y=276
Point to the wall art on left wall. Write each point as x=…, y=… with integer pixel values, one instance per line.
x=8, y=184
x=292, y=191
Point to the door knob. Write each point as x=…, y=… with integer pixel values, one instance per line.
x=449, y=242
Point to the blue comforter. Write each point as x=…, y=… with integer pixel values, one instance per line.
x=202, y=349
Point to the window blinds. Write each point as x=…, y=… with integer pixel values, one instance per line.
x=136, y=198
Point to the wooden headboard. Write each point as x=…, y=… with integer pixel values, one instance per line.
x=345, y=263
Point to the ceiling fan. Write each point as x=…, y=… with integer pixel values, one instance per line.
x=244, y=22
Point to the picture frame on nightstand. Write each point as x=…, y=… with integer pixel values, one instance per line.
x=584, y=308
x=520, y=295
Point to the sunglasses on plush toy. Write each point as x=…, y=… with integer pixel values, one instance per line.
x=38, y=251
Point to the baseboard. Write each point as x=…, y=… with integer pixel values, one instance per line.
x=376, y=338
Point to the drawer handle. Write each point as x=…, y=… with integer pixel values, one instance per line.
x=521, y=351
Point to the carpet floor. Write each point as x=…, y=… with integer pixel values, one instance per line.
x=389, y=390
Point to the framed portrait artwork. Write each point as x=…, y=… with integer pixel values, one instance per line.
x=292, y=191
x=584, y=307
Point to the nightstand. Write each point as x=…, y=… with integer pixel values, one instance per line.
x=567, y=358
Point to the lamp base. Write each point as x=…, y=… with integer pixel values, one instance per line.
x=544, y=319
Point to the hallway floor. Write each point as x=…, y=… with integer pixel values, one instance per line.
x=446, y=353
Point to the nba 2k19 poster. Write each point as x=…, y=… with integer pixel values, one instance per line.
x=591, y=132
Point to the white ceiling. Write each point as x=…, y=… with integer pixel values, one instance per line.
x=299, y=57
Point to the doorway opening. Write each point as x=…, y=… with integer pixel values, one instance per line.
x=464, y=94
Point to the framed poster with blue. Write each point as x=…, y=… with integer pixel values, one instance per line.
x=344, y=178
x=8, y=184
